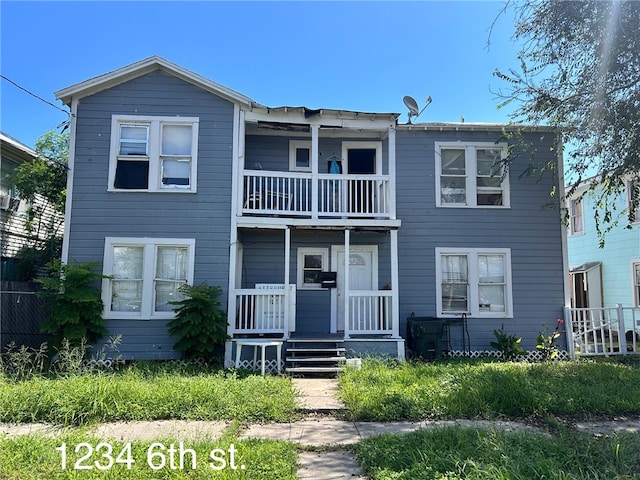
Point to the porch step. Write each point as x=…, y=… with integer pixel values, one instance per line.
x=315, y=355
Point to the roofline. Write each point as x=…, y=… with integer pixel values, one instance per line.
x=18, y=145
x=137, y=69
x=475, y=126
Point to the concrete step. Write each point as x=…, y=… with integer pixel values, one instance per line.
x=316, y=359
x=312, y=350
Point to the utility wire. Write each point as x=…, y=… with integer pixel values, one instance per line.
x=34, y=95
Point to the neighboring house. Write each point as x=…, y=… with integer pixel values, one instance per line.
x=608, y=276
x=13, y=211
x=316, y=222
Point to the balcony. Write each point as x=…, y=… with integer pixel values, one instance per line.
x=293, y=194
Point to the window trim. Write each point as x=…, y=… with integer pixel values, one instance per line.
x=302, y=251
x=630, y=186
x=294, y=145
x=576, y=201
x=150, y=246
x=471, y=165
x=473, y=307
x=154, y=155
x=366, y=145
x=636, y=294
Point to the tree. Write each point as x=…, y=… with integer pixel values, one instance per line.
x=42, y=182
x=580, y=72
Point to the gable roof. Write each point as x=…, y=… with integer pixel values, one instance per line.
x=137, y=69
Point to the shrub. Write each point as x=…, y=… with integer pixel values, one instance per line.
x=74, y=303
x=200, y=324
x=507, y=345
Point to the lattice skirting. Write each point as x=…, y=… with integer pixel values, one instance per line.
x=270, y=366
x=531, y=356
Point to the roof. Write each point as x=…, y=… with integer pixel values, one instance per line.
x=16, y=148
x=124, y=74
x=475, y=126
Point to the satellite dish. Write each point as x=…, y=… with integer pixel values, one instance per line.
x=412, y=105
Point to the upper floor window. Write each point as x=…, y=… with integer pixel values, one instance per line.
x=474, y=281
x=300, y=156
x=576, y=217
x=471, y=175
x=153, y=153
x=636, y=283
x=633, y=201
x=145, y=275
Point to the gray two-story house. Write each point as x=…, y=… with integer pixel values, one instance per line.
x=317, y=223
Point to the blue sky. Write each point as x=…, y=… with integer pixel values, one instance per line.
x=346, y=55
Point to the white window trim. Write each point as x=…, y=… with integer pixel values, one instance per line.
x=471, y=169
x=302, y=251
x=636, y=300
x=155, y=169
x=577, y=201
x=294, y=145
x=472, y=266
x=376, y=145
x=148, y=273
x=629, y=197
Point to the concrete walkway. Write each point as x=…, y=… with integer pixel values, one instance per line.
x=318, y=428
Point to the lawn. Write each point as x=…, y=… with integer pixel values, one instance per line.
x=386, y=391
x=147, y=392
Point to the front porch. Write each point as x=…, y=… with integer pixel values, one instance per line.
x=290, y=283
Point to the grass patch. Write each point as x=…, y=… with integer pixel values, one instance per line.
x=457, y=452
x=147, y=392
x=35, y=457
x=478, y=389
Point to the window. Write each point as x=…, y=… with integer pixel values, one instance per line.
x=311, y=262
x=576, y=218
x=633, y=201
x=473, y=281
x=471, y=175
x=300, y=156
x=153, y=154
x=146, y=275
x=636, y=283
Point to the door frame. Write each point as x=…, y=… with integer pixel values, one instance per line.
x=335, y=249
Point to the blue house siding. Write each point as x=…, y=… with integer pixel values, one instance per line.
x=204, y=216
x=622, y=247
x=531, y=231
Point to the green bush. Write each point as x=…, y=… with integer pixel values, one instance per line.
x=200, y=324
x=73, y=295
x=507, y=345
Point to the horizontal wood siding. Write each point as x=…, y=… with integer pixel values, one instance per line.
x=528, y=228
x=204, y=216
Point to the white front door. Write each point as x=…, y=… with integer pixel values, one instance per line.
x=363, y=275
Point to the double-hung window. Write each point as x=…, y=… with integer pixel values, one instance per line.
x=633, y=201
x=145, y=275
x=636, y=283
x=576, y=217
x=311, y=263
x=153, y=154
x=474, y=281
x=471, y=175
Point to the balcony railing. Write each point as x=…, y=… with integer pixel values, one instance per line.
x=369, y=313
x=292, y=194
x=261, y=311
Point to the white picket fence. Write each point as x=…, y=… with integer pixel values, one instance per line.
x=603, y=331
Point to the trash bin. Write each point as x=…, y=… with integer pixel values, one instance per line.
x=424, y=336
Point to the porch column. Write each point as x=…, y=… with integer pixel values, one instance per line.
x=314, y=170
x=392, y=172
x=395, y=304
x=347, y=240
x=287, y=265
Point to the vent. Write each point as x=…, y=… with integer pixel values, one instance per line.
x=9, y=203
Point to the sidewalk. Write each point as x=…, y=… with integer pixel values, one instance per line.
x=319, y=428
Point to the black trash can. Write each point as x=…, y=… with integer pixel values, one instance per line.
x=424, y=337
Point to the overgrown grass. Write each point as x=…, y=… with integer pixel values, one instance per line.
x=147, y=392
x=393, y=391
x=453, y=453
x=35, y=458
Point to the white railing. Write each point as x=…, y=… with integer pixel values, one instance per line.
x=260, y=311
x=603, y=331
x=292, y=193
x=369, y=313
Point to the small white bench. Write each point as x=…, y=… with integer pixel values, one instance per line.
x=263, y=344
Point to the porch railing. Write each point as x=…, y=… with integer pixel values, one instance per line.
x=292, y=193
x=369, y=313
x=261, y=311
x=603, y=331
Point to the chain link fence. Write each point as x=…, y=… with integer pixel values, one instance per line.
x=21, y=314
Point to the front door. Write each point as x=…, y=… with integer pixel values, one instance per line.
x=363, y=275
